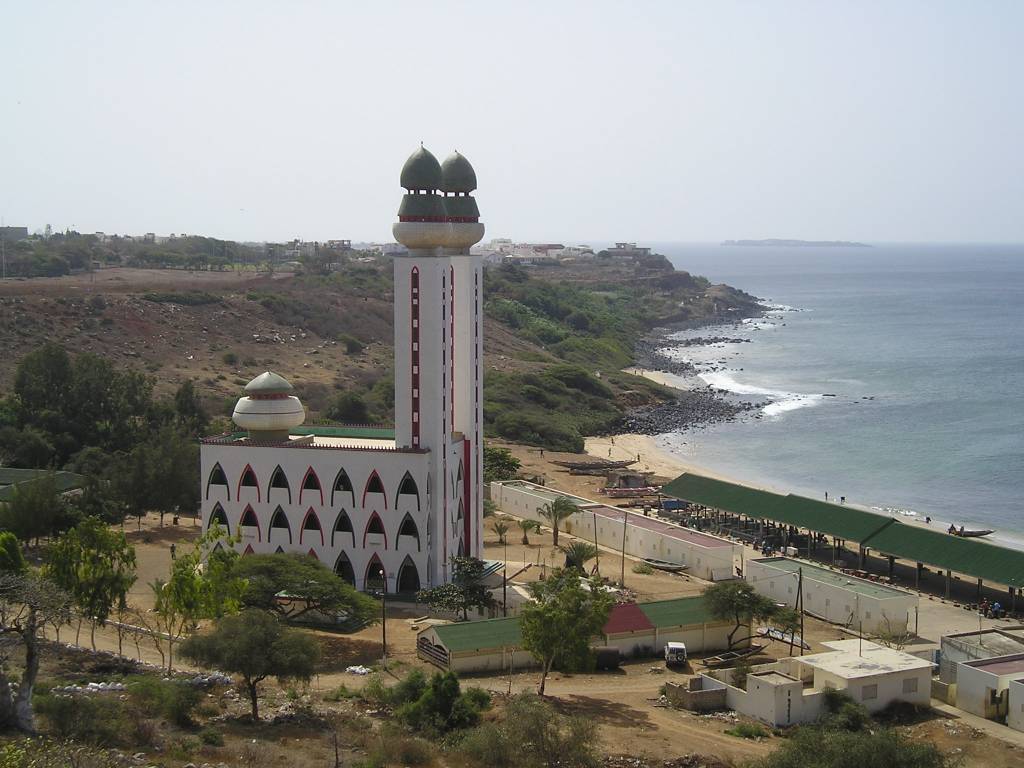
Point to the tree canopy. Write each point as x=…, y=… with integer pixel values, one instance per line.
x=255, y=645
x=562, y=619
x=499, y=464
x=739, y=602
x=556, y=512
x=466, y=591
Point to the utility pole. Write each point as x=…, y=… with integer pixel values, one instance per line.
x=597, y=549
x=622, y=576
x=504, y=581
x=800, y=597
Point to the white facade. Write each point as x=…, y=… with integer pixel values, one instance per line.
x=364, y=499
x=982, y=686
x=706, y=557
x=833, y=596
x=1015, y=708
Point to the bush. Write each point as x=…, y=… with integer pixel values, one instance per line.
x=441, y=705
x=90, y=719
x=749, y=731
x=352, y=345
x=229, y=358
x=170, y=699
x=211, y=737
x=643, y=568
x=397, y=748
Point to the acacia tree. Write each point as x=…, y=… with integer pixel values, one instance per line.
x=563, y=617
x=556, y=513
x=96, y=566
x=27, y=603
x=466, y=589
x=739, y=602
x=499, y=464
x=255, y=645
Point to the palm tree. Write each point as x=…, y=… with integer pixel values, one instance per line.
x=558, y=510
x=526, y=526
x=501, y=528
x=577, y=553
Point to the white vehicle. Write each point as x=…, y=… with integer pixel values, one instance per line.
x=675, y=654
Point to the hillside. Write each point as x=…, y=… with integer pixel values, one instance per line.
x=555, y=337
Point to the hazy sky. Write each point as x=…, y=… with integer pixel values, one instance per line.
x=645, y=121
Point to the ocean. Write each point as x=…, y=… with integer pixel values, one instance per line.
x=891, y=375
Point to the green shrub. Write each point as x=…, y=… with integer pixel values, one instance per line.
x=749, y=731
x=229, y=358
x=170, y=699
x=91, y=719
x=643, y=568
x=211, y=737
x=188, y=298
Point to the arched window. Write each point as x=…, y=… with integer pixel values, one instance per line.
x=374, y=580
x=408, y=486
x=375, y=526
x=343, y=567
x=248, y=480
x=279, y=523
x=279, y=480
x=343, y=525
x=219, y=517
x=374, y=485
x=408, y=577
x=217, y=477
x=312, y=554
x=408, y=528
x=311, y=523
x=462, y=549
x=279, y=550
x=311, y=483
x=248, y=550
x=342, y=484
x=249, y=520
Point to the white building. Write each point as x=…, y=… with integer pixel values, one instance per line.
x=982, y=686
x=969, y=646
x=834, y=596
x=706, y=557
x=376, y=503
x=1015, y=705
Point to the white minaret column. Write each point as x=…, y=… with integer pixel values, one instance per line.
x=458, y=180
x=422, y=283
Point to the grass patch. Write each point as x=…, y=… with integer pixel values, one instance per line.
x=749, y=731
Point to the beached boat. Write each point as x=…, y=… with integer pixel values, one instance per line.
x=730, y=657
x=973, y=534
x=621, y=493
x=593, y=465
x=664, y=565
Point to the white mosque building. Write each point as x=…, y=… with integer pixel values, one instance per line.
x=383, y=507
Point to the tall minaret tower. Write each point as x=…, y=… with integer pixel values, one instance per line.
x=458, y=180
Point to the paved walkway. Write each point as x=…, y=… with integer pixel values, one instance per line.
x=990, y=727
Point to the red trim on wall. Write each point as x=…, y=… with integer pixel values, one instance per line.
x=320, y=486
x=312, y=554
x=451, y=338
x=238, y=488
x=414, y=352
x=248, y=550
x=366, y=530
x=366, y=488
x=302, y=528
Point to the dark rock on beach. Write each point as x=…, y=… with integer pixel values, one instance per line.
x=692, y=409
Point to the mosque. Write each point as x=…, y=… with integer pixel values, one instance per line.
x=385, y=508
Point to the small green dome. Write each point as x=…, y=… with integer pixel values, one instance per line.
x=269, y=383
x=457, y=175
x=463, y=207
x=421, y=171
x=422, y=207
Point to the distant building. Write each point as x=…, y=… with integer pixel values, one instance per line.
x=393, y=249
x=13, y=234
x=339, y=245
x=628, y=251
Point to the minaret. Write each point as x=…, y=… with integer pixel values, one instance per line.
x=458, y=180
x=423, y=341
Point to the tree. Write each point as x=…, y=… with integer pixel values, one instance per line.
x=556, y=513
x=27, y=604
x=526, y=526
x=349, y=408
x=188, y=408
x=577, y=553
x=824, y=747
x=96, y=566
x=563, y=617
x=501, y=529
x=11, y=558
x=740, y=602
x=255, y=645
x=466, y=589
x=313, y=586
x=499, y=464
x=33, y=508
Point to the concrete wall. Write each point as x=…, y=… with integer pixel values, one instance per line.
x=704, y=638
x=982, y=693
x=833, y=602
x=1015, y=705
x=525, y=500
x=889, y=687
x=699, y=694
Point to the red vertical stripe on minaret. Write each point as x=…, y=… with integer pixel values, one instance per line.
x=467, y=484
x=414, y=318
x=451, y=336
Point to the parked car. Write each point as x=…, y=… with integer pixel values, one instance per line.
x=675, y=654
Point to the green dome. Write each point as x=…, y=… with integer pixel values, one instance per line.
x=423, y=207
x=269, y=383
x=421, y=171
x=463, y=207
x=457, y=175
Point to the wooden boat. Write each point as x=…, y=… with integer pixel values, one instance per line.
x=730, y=657
x=596, y=464
x=974, y=534
x=621, y=493
x=664, y=565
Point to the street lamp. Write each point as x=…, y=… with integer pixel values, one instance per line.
x=384, y=616
x=504, y=581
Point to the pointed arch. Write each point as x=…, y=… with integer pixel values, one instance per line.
x=343, y=525
x=462, y=548
x=219, y=517
x=374, y=485
x=311, y=523
x=376, y=526
x=279, y=480
x=248, y=550
x=248, y=480
x=408, y=528
x=217, y=477
x=458, y=477
x=312, y=554
x=343, y=567
x=408, y=486
x=310, y=482
x=279, y=522
x=342, y=484
x=279, y=550
x=372, y=578
x=408, y=577
x=462, y=511
x=250, y=520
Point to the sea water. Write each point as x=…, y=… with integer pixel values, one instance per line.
x=891, y=375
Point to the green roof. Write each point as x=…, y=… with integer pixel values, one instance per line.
x=464, y=206
x=835, y=578
x=479, y=635
x=368, y=432
x=834, y=519
x=682, y=612
x=967, y=556
x=421, y=171
x=429, y=205
x=10, y=478
x=269, y=383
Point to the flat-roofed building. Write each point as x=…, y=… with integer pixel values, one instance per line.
x=1015, y=704
x=972, y=646
x=982, y=686
x=833, y=595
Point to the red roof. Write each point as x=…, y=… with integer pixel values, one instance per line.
x=626, y=617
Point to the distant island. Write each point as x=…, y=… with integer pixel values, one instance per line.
x=800, y=243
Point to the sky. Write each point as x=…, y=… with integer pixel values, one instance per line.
x=878, y=121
